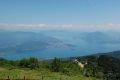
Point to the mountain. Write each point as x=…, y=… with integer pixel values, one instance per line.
x=115, y=54
x=101, y=38
x=96, y=37
x=28, y=42
x=56, y=43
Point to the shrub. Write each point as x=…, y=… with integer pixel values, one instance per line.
x=29, y=63
x=56, y=65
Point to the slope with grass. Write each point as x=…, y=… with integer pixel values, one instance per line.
x=32, y=68
x=37, y=74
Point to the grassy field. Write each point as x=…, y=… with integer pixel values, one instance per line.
x=37, y=74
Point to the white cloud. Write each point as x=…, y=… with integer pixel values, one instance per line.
x=83, y=27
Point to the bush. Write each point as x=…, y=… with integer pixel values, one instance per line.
x=29, y=63
x=56, y=65
x=100, y=75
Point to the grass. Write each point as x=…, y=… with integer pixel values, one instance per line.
x=37, y=74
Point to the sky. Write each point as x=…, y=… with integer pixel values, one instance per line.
x=60, y=14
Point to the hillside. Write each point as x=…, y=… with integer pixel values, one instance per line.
x=115, y=54
x=31, y=68
x=27, y=41
x=107, y=64
x=102, y=67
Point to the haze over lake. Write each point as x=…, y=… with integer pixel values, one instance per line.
x=47, y=44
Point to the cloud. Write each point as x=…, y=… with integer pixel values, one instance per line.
x=33, y=26
x=41, y=26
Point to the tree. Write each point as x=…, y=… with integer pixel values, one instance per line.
x=56, y=65
x=29, y=63
x=34, y=63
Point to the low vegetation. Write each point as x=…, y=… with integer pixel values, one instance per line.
x=98, y=68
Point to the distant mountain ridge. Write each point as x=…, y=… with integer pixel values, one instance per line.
x=50, y=44
x=28, y=41
x=115, y=54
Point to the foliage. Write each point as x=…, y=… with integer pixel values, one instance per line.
x=56, y=65
x=29, y=63
x=103, y=67
x=111, y=67
x=36, y=74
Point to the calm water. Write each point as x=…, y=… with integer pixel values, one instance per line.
x=55, y=52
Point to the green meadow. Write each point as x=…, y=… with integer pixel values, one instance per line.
x=32, y=68
x=38, y=74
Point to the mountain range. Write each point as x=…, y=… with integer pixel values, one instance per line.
x=50, y=43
